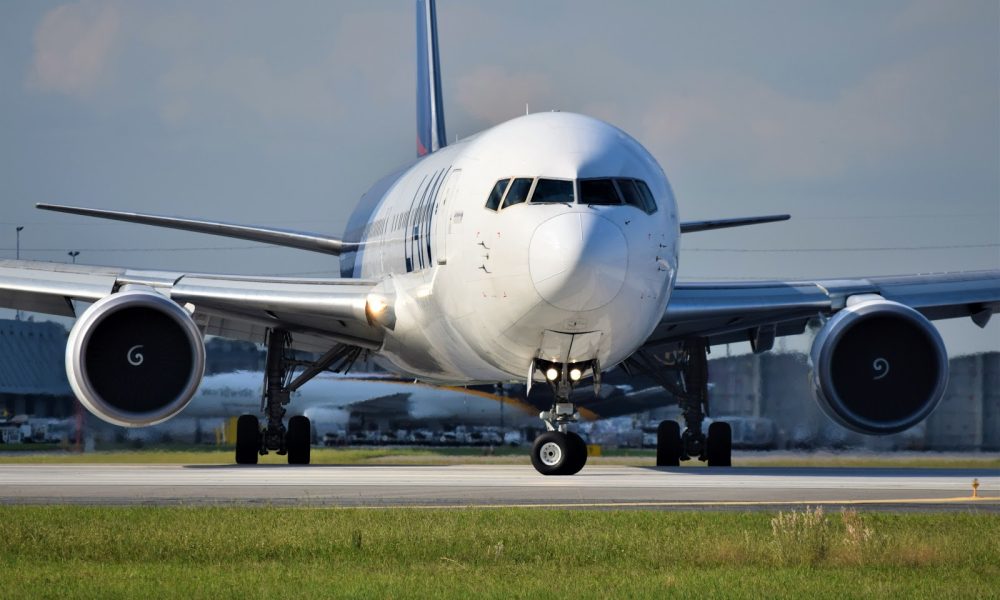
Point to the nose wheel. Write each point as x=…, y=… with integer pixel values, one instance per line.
x=558, y=453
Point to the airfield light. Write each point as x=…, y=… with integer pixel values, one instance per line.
x=551, y=374
x=575, y=374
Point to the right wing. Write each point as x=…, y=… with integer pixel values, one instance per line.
x=320, y=313
x=757, y=312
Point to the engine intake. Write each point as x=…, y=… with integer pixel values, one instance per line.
x=879, y=367
x=135, y=358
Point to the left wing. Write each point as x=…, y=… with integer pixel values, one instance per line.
x=757, y=312
x=320, y=313
x=301, y=240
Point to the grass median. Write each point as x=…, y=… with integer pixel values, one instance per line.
x=226, y=552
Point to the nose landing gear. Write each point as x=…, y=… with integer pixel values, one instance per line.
x=560, y=451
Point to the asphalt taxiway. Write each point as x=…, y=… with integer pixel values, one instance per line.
x=500, y=485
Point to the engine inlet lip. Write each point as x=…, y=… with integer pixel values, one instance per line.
x=79, y=338
x=828, y=338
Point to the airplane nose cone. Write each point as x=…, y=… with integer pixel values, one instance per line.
x=578, y=261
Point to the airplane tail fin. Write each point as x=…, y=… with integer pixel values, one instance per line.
x=430, y=106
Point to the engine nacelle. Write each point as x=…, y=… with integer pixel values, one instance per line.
x=879, y=367
x=135, y=358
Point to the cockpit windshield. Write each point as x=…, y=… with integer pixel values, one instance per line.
x=599, y=191
x=553, y=190
x=518, y=191
x=592, y=192
x=493, y=202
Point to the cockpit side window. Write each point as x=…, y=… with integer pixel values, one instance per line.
x=553, y=190
x=598, y=191
x=636, y=193
x=493, y=202
x=518, y=191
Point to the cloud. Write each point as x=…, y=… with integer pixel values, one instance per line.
x=734, y=121
x=251, y=84
x=495, y=94
x=202, y=79
x=932, y=14
x=73, y=43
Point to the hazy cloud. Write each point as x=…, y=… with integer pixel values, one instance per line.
x=495, y=94
x=73, y=43
x=744, y=122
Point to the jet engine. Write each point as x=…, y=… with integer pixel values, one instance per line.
x=135, y=358
x=879, y=367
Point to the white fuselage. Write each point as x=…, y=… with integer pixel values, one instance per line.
x=478, y=294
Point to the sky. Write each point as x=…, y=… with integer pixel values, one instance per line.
x=876, y=125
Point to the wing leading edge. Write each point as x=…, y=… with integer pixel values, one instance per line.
x=319, y=312
x=266, y=235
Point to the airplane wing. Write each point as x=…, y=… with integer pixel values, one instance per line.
x=757, y=312
x=320, y=313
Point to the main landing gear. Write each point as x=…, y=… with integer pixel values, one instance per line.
x=560, y=451
x=673, y=446
x=293, y=441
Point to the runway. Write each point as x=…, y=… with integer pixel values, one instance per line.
x=499, y=485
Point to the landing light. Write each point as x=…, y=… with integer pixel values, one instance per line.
x=376, y=305
x=575, y=374
x=551, y=374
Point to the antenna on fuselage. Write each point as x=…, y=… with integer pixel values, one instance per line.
x=526, y=111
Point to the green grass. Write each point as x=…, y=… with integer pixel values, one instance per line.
x=150, y=552
x=192, y=454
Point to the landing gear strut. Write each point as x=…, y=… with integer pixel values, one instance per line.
x=560, y=451
x=672, y=446
x=295, y=441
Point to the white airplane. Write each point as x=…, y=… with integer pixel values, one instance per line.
x=543, y=250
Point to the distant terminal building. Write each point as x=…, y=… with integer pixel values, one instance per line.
x=776, y=387
x=770, y=390
x=32, y=376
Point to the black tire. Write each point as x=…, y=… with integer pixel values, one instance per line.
x=720, y=444
x=668, y=444
x=247, y=440
x=298, y=440
x=577, y=454
x=551, y=453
